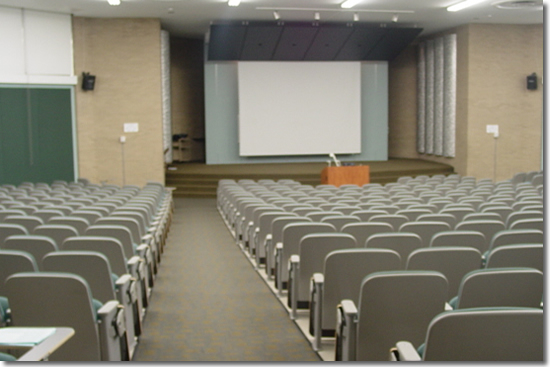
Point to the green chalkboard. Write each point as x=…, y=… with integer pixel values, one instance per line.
x=36, y=137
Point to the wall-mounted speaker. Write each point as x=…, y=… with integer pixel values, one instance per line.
x=532, y=81
x=88, y=81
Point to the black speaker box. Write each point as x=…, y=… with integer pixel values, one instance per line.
x=88, y=81
x=532, y=81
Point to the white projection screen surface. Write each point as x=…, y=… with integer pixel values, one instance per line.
x=299, y=108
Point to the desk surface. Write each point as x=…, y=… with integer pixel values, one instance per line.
x=43, y=349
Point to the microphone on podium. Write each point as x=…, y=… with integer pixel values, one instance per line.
x=336, y=161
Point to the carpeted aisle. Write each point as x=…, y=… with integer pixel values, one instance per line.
x=209, y=304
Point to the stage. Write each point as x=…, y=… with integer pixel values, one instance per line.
x=201, y=180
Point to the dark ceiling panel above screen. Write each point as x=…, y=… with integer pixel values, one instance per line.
x=226, y=41
x=295, y=41
x=260, y=41
x=393, y=42
x=328, y=42
x=359, y=44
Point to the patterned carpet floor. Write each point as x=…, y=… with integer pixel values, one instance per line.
x=208, y=303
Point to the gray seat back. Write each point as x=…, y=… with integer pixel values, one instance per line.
x=460, y=238
x=120, y=233
x=344, y=271
x=277, y=226
x=318, y=216
x=362, y=231
x=516, y=237
x=395, y=306
x=339, y=221
x=426, y=230
x=78, y=223
x=403, y=243
x=488, y=227
x=37, y=246
x=447, y=218
x=533, y=223
x=501, y=287
x=264, y=224
x=293, y=234
x=453, y=262
x=7, y=230
x=108, y=246
x=92, y=266
x=63, y=299
x=486, y=334
x=57, y=232
x=30, y=222
x=313, y=250
x=524, y=255
x=14, y=261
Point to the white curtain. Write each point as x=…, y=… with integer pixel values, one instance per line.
x=436, y=96
x=165, y=84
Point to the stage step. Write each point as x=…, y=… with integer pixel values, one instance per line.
x=201, y=180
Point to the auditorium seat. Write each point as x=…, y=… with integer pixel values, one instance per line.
x=65, y=299
x=362, y=231
x=310, y=259
x=403, y=243
x=95, y=269
x=522, y=255
x=453, y=262
x=500, y=287
x=455, y=238
x=481, y=334
x=341, y=279
x=426, y=230
x=392, y=306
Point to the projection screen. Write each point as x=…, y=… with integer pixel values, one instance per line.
x=299, y=108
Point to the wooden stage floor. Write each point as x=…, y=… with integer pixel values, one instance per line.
x=200, y=180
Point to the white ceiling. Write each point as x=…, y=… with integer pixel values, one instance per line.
x=191, y=18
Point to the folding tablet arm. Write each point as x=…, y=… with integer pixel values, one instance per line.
x=316, y=308
x=404, y=351
x=112, y=332
x=346, y=330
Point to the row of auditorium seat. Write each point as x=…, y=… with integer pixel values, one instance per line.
x=402, y=252
x=85, y=256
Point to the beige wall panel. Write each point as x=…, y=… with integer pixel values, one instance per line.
x=501, y=56
x=124, y=54
x=492, y=64
x=402, y=105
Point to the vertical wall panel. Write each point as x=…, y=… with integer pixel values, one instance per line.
x=12, y=43
x=449, y=132
x=436, y=99
x=166, y=96
x=438, y=96
x=48, y=43
x=430, y=85
x=421, y=100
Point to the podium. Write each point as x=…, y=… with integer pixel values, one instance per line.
x=344, y=175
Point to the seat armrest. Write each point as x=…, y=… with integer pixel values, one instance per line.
x=316, y=308
x=293, y=275
x=127, y=296
x=346, y=331
x=111, y=325
x=278, y=267
x=268, y=258
x=406, y=352
x=448, y=307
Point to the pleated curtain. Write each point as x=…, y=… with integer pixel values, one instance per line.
x=436, y=93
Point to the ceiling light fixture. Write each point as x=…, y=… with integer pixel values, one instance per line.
x=395, y=18
x=350, y=3
x=114, y=2
x=317, y=16
x=233, y=2
x=276, y=15
x=355, y=17
x=463, y=5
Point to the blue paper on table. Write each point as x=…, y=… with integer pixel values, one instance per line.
x=24, y=336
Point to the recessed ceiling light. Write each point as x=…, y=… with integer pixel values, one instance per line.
x=233, y=2
x=463, y=5
x=519, y=5
x=113, y=2
x=350, y=3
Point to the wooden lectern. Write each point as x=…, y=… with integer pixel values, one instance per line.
x=343, y=175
